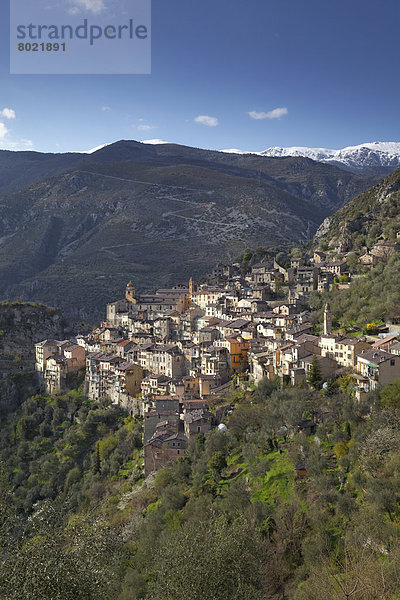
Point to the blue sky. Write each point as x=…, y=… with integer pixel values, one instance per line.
x=330, y=67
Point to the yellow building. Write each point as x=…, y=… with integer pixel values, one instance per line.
x=238, y=349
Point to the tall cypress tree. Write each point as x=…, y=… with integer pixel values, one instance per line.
x=315, y=376
x=96, y=460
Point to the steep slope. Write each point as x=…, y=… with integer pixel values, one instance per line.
x=363, y=220
x=371, y=217
x=155, y=214
x=20, y=169
x=22, y=325
x=325, y=185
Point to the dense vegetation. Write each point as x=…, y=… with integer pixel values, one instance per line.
x=267, y=510
x=364, y=219
x=374, y=297
x=49, y=445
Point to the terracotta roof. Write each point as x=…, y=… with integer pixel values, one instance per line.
x=384, y=341
x=286, y=346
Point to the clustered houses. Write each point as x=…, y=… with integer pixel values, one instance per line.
x=55, y=360
x=111, y=376
x=382, y=250
x=291, y=357
x=169, y=427
x=163, y=356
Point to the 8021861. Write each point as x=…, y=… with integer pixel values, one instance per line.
x=42, y=47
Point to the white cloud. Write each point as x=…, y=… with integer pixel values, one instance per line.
x=6, y=141
x=145, y=127
x=8, y=113
x=206, y=120
x=277, y=113
x=3, y=131
x=19, y=145
x=105, y=108
x=94, y=6
x=28, y=144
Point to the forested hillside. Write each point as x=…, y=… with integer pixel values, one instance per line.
x=372, y=297
x=366, y=233
x=364, y=219
x=266, y=510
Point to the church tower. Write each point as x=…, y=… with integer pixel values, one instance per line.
x=130, y=293
x=188, y=298
x=327, y=320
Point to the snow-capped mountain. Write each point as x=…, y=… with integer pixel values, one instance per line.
x=379, y=157
x=368, y=155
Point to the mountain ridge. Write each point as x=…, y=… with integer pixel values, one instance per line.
x=152, y=213
x=381, y=156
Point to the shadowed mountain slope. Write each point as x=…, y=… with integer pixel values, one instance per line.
x=80, y=226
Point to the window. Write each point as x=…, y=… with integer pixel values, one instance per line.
x=392, y=362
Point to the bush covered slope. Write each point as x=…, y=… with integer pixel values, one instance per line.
x=363, y=220
x=264, y=511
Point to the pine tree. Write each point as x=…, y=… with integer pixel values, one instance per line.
x=331, y=387
x=315, y=377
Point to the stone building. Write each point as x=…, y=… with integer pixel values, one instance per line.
x=163, y=448
x=55, y=360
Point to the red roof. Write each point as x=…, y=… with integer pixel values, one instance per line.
x=384, y=341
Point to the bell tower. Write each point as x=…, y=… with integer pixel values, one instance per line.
x=130, y=293
x=327, y=320
x=188, y=297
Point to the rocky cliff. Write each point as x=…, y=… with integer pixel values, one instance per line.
x=22, y=325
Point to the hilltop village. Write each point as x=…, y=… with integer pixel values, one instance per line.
x=167, y=356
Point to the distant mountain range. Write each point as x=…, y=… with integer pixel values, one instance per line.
x=378, y=157
x=74, y=228
x=374, y=157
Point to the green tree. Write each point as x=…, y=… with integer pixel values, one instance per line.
x=352, y=262
x=390, y=395
x=332, y=387
x=212, y=560
x=96, y=459
x=217, y=463
x=314, y=377
x=55, y=561
x=264, y=389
